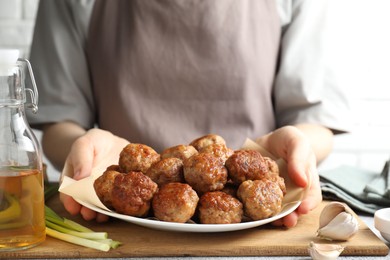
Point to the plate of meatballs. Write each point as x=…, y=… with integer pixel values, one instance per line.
x=203, y=186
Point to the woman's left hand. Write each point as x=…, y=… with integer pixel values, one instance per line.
x=295, y=147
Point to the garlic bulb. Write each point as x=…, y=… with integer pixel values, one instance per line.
x=337, y=222
x=324, y=251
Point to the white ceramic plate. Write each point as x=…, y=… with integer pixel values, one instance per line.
x=199, y=228
x=83, y=192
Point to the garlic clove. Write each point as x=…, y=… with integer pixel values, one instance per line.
x=324, y=251
x=331, y=210
x=341, y=227
x=337, y=222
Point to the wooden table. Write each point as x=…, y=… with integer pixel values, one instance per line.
x=144, y=242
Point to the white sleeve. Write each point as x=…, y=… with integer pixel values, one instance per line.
x=306, y=89
x=60, y=64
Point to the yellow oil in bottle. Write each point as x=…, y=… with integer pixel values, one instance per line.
x=22, y=219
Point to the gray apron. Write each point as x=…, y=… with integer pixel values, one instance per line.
x=167, y=72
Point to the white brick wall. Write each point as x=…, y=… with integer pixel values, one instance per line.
x=17, y=19
x=360, y=44
x=17, y=23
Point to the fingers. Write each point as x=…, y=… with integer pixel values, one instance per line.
x=300, y=162
x=297, y=172
x=313, y=197
x=81, y=158
x=278, y=223
x=100, y=218
x=88, y=214
x=306, y=206
x=290, y=144
x=75, y=208
x=311, y=201
x=291, y=220
x=89, y=149
x=70, y=204
x=288, y=221
x=78, y=165
x=303, y=163
x=95, y=147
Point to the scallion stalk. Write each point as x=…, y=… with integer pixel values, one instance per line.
x=78, y=240
x=73, y=232
x=87, y=235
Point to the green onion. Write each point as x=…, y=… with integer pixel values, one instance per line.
x=70, y=231
x=113, y=244
x=78, y=240
x=87, y=235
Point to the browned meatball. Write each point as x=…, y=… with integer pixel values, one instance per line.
x=261, y=198
x=103, y=186
x=137, y=157
x=206, y=140
x=217, y=207
x=205, y=172
x=166, y=170
x=180, y=151
x=219, y=150
x=132, y=194
x=175, y=202
x=248, y=165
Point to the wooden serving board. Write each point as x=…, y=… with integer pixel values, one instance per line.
x=144, y=242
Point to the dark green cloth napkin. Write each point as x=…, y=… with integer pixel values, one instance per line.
x=363, y=190
x=380, y=185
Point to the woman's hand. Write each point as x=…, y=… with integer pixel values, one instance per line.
x=301, y=146
x=95, y=147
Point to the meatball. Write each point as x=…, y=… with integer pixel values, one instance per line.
x=219, y=150
x=132, y=194
x=103, y=186
x=217, y=207
x=261, y=198
x=137, y=157
x=165, y=171
x=248, y=165
x=205, y=172
x=206, y=140
x=175, y=202
x=180, y=151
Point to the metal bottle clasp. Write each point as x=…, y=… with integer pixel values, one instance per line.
x=34, y=91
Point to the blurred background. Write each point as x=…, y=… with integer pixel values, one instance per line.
x=360, y=44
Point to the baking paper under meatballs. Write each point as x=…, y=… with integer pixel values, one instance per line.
x=83, y=190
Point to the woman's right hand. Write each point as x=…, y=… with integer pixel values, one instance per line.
x=95, y=147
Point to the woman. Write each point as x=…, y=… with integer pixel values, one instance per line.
x=163, y=73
